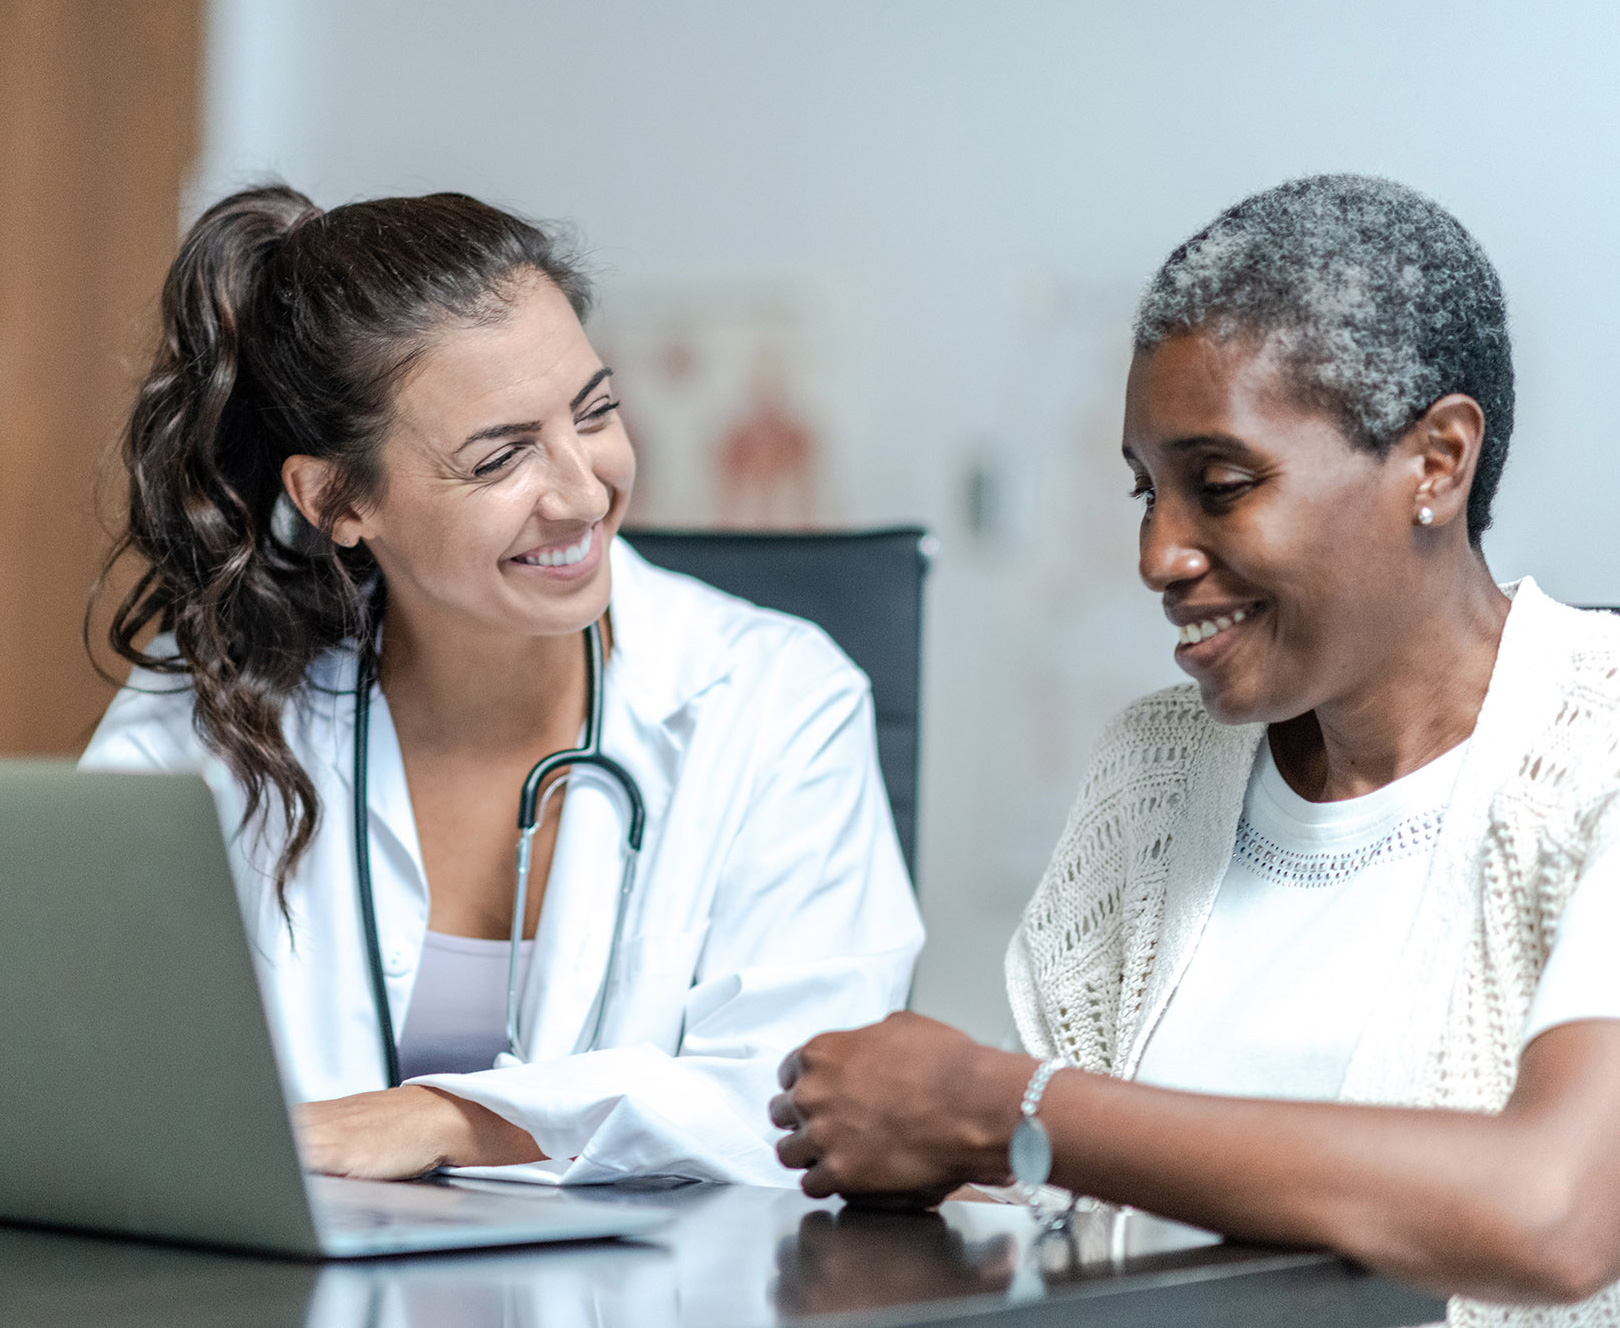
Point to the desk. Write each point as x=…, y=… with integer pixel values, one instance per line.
x=733, y=1257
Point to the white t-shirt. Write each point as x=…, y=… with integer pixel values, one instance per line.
x=1309, y=922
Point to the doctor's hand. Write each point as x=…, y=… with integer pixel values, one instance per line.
x=900, y=1113
x=403, y=1132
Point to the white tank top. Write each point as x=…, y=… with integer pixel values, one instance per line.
x=457, y=1019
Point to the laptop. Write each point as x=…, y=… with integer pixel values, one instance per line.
x=139, y=1092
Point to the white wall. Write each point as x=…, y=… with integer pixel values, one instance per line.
x=994, y=180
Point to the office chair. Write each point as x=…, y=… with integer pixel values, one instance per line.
x=863, y=588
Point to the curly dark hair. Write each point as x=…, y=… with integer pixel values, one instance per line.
x=1376, y=300
x=284, y=332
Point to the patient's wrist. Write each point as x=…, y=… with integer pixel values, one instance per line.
x=995, y=1087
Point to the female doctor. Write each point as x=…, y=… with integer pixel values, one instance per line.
x=377, y=469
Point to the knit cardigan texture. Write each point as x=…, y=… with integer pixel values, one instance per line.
x=1119, y=912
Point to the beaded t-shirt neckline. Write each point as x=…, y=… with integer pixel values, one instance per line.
x=1290, y=840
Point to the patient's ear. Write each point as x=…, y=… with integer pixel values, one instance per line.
x=1444, y=450
x=307, y=480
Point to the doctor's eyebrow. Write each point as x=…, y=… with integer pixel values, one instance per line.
x=533, y=426
x=601, y=375
x=501, y=431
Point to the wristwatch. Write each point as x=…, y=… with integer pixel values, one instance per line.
x=1029, y=1154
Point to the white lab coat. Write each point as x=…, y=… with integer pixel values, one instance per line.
x=771, y=900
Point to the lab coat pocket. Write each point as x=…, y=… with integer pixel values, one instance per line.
x=646, y=997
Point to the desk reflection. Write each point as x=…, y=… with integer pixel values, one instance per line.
x=855, y=1260
x=734, y=1257
x=590, y=1287
x=858, y=1259
x=711, y=1265
x=740, y=1256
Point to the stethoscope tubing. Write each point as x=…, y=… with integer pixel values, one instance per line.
x=531, y=807
x=362, y=866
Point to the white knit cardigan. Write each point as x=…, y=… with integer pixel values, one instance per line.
x=1116, y=919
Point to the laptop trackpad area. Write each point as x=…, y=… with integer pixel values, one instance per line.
x=364, y=1217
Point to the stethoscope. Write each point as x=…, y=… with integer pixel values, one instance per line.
x=531, y=809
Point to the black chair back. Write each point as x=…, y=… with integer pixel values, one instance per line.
x=863, y=588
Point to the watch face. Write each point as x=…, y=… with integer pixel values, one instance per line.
x=1030, y=1153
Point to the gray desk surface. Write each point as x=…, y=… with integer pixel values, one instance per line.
x=734, y=1257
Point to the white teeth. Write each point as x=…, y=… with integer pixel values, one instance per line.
x=575, y=553
x=1192, y=633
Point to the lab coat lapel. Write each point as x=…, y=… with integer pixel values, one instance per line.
x=650, y=678
x=576, y=920
x=581, y=904
x=398, y=878
x=388, y=795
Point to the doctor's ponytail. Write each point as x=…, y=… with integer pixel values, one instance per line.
x=284, y=332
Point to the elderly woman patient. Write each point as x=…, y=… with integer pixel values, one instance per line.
x=1326, y=953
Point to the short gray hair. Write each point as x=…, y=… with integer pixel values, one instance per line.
x=1376, y=300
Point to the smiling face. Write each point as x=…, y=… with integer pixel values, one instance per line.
x=506, y=472
x=1282, y=552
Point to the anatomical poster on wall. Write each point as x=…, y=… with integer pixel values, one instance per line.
x=736, y=395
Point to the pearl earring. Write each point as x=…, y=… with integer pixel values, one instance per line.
x=1425, y=515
